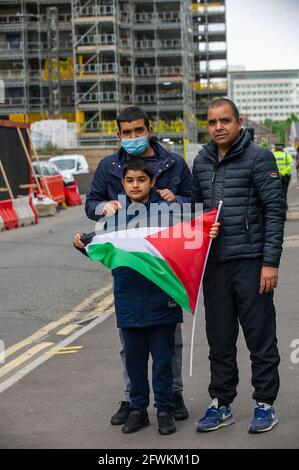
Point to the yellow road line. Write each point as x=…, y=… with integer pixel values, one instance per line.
x=52, y=325
x=66, y=350
x=102, y=306
x=23, y=357
x=68, y=329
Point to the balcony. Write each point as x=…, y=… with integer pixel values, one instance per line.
x=11, y=50
x=31, y=21
x=97, y=40
x=162, y=47
x=13, y=75
x=211, y=33
x=213, y=73
x=98, y=97
x=11, y=22
x=96, y=69
x=94, y=11
x=15, y=102
x=212, y=10
x=125, y=45
x=41, y=48
x=148, y=20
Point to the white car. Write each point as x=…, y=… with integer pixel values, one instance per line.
x=70, y=164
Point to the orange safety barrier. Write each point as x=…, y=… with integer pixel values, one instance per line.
x=72, y=196
x=8, y=214
x=53, y=187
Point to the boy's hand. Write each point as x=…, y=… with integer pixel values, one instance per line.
x=77, y=241
x=214, y=231
x=111, y=207
x=166, y=194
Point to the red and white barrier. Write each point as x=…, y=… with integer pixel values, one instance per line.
x=8, y=214
x=1, y=224
x=24, y=211
x=72, y=196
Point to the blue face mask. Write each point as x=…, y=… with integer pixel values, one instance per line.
x=135, y=146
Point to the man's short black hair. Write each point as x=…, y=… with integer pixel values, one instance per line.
x=132, y=113
x=221, y=102
x=138, y=164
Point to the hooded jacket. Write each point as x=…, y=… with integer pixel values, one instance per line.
x=171, y=171
x=253, y=212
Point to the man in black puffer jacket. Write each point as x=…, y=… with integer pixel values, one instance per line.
x=242, y=269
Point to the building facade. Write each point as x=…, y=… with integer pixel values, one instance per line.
x=265, y=94
x=85, y=60
x=36, y=59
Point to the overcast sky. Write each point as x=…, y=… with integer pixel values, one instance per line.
x=263, y=34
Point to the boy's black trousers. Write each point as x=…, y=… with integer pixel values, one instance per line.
x=231, y=296
x=158, y=340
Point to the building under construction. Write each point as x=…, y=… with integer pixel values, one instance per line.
x=36, y=60
x=167, y=56
x=95, y=57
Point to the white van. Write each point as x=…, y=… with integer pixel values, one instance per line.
x=70, y=164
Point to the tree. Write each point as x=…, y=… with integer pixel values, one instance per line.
x=280, y=127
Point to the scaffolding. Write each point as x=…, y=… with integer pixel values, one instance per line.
x=133, y=53
x=209, y=27
x=36, y=60
x=85, y=60
x=162, y=55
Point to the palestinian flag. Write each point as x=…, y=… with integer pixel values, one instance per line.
x=172, y=257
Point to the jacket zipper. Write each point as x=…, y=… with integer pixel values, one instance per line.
x=213, y=184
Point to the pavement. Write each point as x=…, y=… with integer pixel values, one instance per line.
x=64, y=395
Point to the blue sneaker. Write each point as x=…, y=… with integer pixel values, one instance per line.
x=215, y=418
x=264, y=419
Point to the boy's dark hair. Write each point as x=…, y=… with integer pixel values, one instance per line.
x=222, y=101
x=132, y=113
x=138, y=164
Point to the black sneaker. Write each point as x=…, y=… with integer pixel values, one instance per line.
x=180, y=412
x=122, y=414
x=166, y=422
x=136, y=420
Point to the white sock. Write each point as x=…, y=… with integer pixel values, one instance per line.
x=264, y=405
x=214, y=403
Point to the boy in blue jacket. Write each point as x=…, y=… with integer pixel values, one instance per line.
x=148, y=318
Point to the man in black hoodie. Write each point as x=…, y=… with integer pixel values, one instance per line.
x=242, y=269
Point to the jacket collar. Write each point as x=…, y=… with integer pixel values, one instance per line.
x=166, y=160
x=211, y=149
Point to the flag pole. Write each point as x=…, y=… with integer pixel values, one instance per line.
x=199, y=289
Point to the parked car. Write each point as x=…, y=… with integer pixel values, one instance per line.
x=50, y=169
x=74, y=164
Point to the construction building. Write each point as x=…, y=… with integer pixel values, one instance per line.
x=167, y=56
x=36, y=60
x=94, y=57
